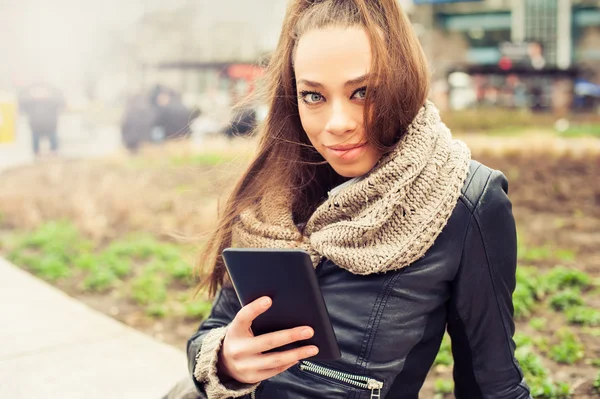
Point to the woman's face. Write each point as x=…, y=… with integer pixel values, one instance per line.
x=331, y=67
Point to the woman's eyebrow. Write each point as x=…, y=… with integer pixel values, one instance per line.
x=358, y=80
x=351, y=82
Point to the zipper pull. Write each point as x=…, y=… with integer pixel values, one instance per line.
x=375, y=387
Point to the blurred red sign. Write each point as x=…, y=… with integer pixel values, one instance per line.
x=244, y=71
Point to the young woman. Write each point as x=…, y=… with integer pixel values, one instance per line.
x=408, y=236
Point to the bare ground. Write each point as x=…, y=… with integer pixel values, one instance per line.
x=172, y=192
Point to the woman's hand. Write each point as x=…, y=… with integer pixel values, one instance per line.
x=241, y=356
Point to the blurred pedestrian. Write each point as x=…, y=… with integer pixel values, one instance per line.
x=519, y=91
x=536, y=60
x=173, y=117
x=43, y=104
x=138, y=122
x=242, y=122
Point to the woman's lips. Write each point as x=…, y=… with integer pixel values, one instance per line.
x=347, y=152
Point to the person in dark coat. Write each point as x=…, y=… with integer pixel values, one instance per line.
x=43, y=103
x=172, y=115
x=138, y=122
x=242, y=123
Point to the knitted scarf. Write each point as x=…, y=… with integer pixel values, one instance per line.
x=385, y=221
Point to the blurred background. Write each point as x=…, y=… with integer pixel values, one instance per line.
x=190, y=61
x=118, y=141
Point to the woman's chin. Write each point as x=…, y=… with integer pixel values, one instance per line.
x=351, y=171
x=353, y=163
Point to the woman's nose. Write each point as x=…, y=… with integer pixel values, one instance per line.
x=340, y=120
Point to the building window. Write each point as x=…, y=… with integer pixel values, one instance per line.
x=541, y=26
x=479, y=37
x=483, y=32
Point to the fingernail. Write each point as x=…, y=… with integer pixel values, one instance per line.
x=265, y=302
x=307, y=333
x=312, y=351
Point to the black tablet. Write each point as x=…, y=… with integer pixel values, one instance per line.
x=288, y=277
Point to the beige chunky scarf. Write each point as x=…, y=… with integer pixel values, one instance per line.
x=385, y=221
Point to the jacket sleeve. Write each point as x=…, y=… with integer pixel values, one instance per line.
x=204, y=346
x=480, y=317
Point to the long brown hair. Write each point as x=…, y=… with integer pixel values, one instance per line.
x=397, y=89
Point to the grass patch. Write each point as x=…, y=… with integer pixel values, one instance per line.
x=584, y=315
x=49, y=251
x=561, y=277
x=529, y=289
x=537, y=376
x=565, y=287
x=560, y=289
x=596, y=384
x=444, y=356
x=593, y=331
x=569, y=349
x=522, y=340
x=148, y=271
x=443, y=386
x=530, y=255
x=197, y=309
x=538, y=323
x=564, y=284
x=181, y=271
x=534, y=254
x=496, y=120
x=50, y=267
x=582, y=130
x=565, y=255
x=157, y=310
x=99, y=279
x=154, y=276
x=139, y=247
x=149, y=289
x=566, y=299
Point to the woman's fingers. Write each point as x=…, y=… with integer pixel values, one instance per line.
x=251, y=346
x=276, y=360
x=265, y=342
x=242, y=354
x=240, y=326
x=262, y=367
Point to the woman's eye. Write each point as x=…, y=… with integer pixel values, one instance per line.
x=361, y=93
x=314, y=97
x=311, y=97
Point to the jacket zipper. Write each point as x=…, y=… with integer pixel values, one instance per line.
x=359, y=381
x=253, y=393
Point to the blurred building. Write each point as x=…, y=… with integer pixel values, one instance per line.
x=537, y=47
x=472, y=32
x=110, y=49
x=208, y=51
x=543, y=47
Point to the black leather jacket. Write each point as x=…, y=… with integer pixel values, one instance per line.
x=389, y=325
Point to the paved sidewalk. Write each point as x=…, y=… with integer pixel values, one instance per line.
x=52, y=346
x=76, y=142
x=17, y=153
